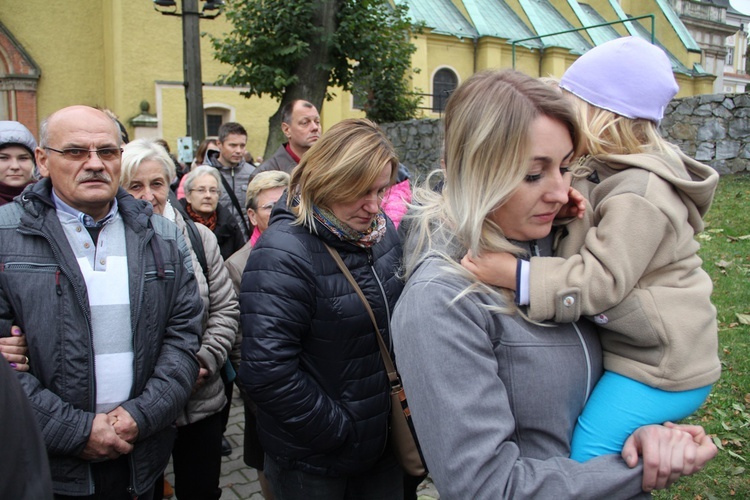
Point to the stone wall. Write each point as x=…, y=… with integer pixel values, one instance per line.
x=418, y=143
x=713, y=129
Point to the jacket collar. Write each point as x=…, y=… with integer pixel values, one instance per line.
x=36, y=201
x=281, y=211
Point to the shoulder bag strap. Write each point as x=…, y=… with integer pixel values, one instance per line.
x=234, y=200
x=393, y=377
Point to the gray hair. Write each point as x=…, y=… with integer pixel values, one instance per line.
x=136, y=152
x=200, y=171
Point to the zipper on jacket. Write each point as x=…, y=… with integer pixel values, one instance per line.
x=535, y=251
x=587, y=355
x=139, y=300
x=134, y=328
x=535, y=248
x=33, y=266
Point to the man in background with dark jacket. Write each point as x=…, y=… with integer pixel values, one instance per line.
x=300, y=123
x=106, y=296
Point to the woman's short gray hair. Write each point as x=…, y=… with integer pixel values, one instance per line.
x=200, y=171
x=136, y=152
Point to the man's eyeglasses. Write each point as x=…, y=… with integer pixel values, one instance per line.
x=79, y=154
x=202, y=191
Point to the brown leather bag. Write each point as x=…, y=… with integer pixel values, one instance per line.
x=402, y=435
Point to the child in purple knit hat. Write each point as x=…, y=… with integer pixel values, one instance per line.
x=631, y=262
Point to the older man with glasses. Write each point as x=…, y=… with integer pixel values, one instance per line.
x=106, y=296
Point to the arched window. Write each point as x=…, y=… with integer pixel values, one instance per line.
x=215, y=116
x=19, y=76
x=444, y=83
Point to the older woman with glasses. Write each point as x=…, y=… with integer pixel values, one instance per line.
x=202, y=192
x=146, y=172
x=310, y=356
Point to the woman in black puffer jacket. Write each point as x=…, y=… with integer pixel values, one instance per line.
x=310, y=357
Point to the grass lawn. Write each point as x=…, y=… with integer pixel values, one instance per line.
x=726, y=414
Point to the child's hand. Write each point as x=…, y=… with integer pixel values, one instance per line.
x=575, y=207
x=498, y=269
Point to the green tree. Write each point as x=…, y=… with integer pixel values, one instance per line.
x=297, y=49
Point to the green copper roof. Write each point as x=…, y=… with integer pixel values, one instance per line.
x=546, y=19
x=589, y=17
x=679, y=28
x=441, y=16
x=677, y=66
x=494, y=18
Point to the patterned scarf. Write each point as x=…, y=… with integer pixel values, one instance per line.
x=209, y=222
x=374, y=233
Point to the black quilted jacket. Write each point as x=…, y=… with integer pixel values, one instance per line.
x=310, y=358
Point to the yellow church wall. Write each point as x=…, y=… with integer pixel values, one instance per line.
x=520, y=12
x=420, y=81
x=555, y=61
x=496, y=53
x=604, y=7
x=122, y=52
x=339, y=108
x=446, y=52
x=564, y=8
x=66, y=45
x=114, y=57
x=694, y=86
x=665, y=33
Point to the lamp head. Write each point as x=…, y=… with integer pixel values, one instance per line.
x=212, y=5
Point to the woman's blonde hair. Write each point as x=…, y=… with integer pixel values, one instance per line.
x=264, y=180
x=340, y=167
x=607, y=133
x=136, y=152
x=486, y=127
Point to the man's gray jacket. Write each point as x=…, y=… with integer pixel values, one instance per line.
x=43, y=291
x=281, y=160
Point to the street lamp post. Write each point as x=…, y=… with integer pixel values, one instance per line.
x=191, y=57
x=191, y=61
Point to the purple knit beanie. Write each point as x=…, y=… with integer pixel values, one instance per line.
x=627, y=76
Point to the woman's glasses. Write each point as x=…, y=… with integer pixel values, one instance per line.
x=202, y=191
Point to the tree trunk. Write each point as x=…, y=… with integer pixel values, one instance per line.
x=313, y=71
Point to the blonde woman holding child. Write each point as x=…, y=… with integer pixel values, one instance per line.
x=631, y=262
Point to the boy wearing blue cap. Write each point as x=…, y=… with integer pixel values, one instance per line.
x=631, y=262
